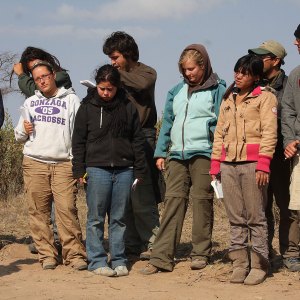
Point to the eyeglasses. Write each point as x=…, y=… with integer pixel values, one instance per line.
x=43, y=77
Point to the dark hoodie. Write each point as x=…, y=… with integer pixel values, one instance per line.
x=94, y=145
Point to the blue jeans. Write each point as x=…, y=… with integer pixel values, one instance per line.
x=108, y=191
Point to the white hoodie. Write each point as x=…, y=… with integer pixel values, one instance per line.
x=53, y=121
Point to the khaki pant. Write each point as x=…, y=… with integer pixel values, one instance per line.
x=245, y=204
x=44, y=182
x=179, y=177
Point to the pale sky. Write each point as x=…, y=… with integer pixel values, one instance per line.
x=74, y=32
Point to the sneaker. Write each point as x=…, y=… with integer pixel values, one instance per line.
x=121, y=271
x=146, y=255
x=32, y=248
x=292, y=263
x=149, y=270
x=198, y=264
x=49, y=264
x=105, y=271
x=79, y=265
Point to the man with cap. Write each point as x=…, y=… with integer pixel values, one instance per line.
x=290, y=122
x=273, y=54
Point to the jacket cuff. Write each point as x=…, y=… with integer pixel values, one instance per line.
x=78, y=173
x=263, y=163
x=214, y=167
x=139, y=174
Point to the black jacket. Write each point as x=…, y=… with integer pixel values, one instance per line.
x=91, y=148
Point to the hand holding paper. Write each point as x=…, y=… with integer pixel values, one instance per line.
x=133, y=187
x=26, y=116
x=217, y=185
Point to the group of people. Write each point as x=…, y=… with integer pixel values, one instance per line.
x=106, y=142
x=245, y=136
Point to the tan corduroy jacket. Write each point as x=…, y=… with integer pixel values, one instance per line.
x=246, y=132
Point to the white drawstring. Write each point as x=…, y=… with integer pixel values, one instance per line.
x=101, y=117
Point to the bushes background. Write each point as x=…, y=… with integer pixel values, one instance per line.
x=11, y=177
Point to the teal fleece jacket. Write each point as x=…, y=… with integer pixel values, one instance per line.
x=189, y=121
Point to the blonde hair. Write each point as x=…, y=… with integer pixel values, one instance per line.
x=190, y=54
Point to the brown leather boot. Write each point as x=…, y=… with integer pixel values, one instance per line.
x=259, y=269
x=240, y=263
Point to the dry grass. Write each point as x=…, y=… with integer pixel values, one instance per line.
x=14, y=225
x=14, y=228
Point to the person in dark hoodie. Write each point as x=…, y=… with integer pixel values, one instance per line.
x=189, y=119
x=108, y=146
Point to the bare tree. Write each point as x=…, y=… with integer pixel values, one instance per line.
x=7, y=81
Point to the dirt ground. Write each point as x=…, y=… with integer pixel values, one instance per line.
x=21, y=276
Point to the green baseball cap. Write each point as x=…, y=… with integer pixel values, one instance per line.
x=270, y=47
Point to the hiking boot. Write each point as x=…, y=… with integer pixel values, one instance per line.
x=121, y=271
x=240, y=263
x=32, y=248
x=198, y=264
x=105, y=271
x=146, y=255
x=79, y=265
x=259, y=269
x=149, y=270
x=49, y=264
x=292, y=264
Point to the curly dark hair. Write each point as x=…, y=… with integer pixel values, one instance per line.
x=32, y=53
x=122, y=42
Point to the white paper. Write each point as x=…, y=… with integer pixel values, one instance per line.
x=88, y=83
x=217, y=185
x=26, y=116
x=134, y=184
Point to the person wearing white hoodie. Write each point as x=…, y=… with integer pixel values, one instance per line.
x=46, y=130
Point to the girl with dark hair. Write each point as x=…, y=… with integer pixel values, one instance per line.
x=108, y=150
x=29, y=57
x=244, y=143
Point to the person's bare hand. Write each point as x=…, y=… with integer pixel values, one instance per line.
x=81, y=181
x=262, y=178
x=18, y=69
x=160, y=164
x=28, y=127
x=291, y=149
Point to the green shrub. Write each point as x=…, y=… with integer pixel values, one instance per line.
x=11, y=178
